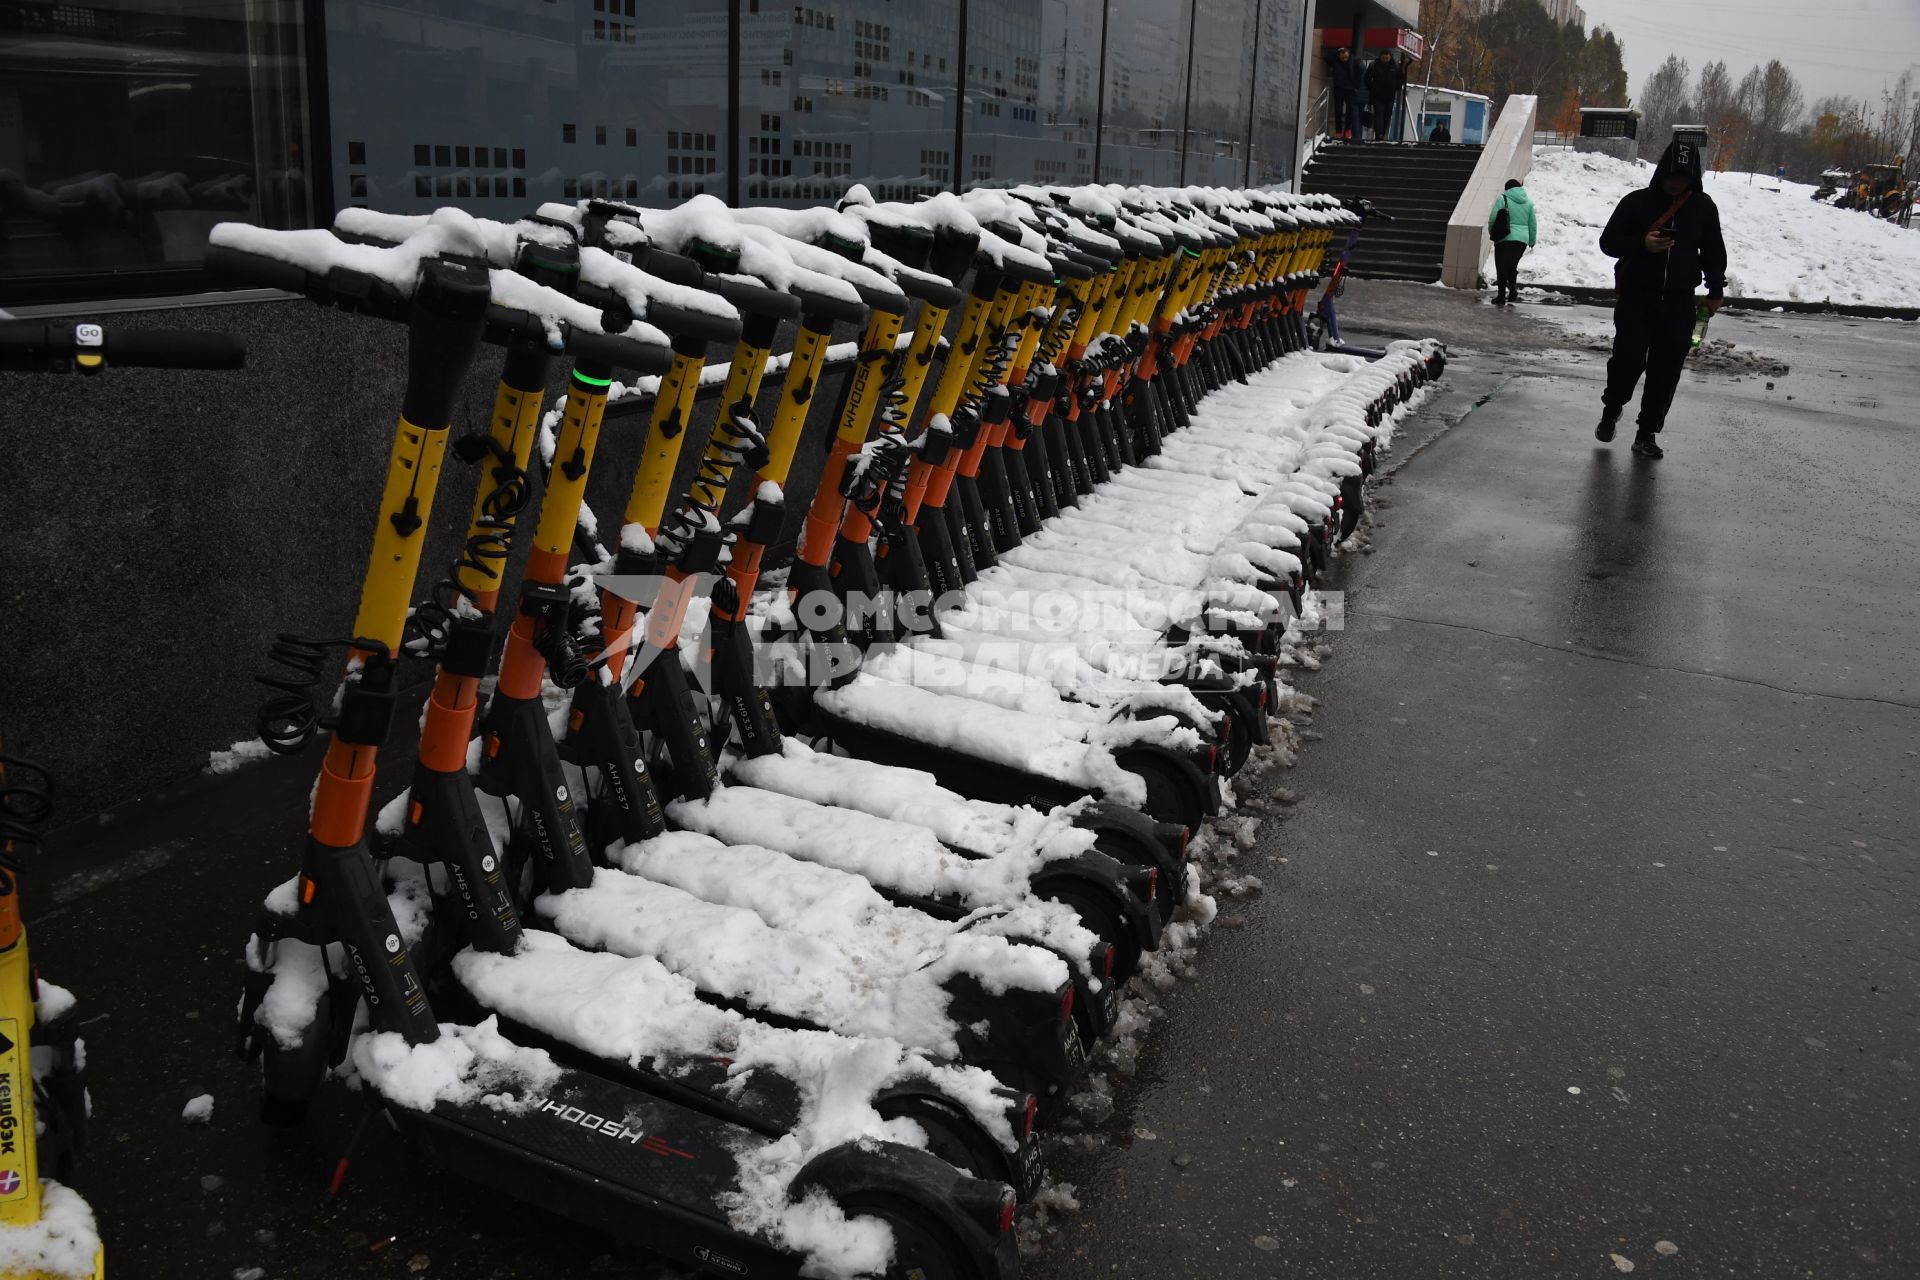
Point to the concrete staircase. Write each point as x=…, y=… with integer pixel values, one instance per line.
x=1417, y=184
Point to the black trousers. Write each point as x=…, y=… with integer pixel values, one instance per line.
x=1651, y=334
x=1383, y=113
x=1506, y=265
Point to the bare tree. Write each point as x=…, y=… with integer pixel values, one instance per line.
x=1715, y=100
x=1836, y=135
x=1772, y=100
x=1895, y=122
x=1663, y=100
x=1440, y=22
x=1913, y=141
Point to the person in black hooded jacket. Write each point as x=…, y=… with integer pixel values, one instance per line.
x=1385, y=79
x=1666, y=238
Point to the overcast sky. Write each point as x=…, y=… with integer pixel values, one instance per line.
x=1834, y=46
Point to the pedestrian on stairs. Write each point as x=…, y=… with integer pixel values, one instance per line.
x=1385, y=79
x=1349, y=86
x=1511, y=225
x=1666, y=238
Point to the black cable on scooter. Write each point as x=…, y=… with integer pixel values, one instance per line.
x=26, y=806
x=287, y=720
x=485, y=553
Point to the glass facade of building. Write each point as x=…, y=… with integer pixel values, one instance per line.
x=128, y=127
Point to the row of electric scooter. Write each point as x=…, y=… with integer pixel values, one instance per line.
x=763, y=913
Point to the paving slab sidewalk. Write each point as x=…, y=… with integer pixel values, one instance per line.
x=1591, y=946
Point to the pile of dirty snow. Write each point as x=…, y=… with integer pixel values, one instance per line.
x=1781, y=244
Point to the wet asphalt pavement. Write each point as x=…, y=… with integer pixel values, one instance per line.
x=1591, y=947
x=1593, y=930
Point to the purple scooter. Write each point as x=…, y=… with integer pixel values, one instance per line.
x=1323, y=326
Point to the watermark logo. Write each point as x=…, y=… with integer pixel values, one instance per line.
x=1069, y=638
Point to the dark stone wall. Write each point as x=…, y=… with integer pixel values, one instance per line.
x=158, y=528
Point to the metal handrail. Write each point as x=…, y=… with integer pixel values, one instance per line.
x=1317, y=114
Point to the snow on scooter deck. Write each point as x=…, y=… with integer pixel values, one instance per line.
x=975, y=996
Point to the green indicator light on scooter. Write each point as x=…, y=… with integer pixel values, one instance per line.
x=1190, y=253
x=591, y=381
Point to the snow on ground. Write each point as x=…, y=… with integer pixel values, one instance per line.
x=243, y=752
x=1781, y=244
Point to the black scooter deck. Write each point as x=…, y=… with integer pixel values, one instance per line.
x=657, y=1175
x=1177, y=792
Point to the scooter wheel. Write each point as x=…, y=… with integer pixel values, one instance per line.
x=923, y=1248
x=1105, y=922
x=1132, y=848
x=1237, y=745
x=952, y=1135
x=1355, y=494
x=1171, y=792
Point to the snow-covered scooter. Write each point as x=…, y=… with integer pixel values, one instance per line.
x=696, y=1159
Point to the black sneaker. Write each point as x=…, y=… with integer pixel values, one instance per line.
x=1609, y=419
x=1648, y=446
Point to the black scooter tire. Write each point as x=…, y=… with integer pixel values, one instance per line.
x=1100, y=917
x=1172, y=793
x=953, y=1137
x=1354, y=491
x=923, y=1248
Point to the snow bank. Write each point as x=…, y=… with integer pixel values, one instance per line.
x=1780, y=244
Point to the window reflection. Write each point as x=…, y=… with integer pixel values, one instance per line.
x=1146, y=75
x=834, y=94
x=1276, y=89
x=1031, y=92
x=128, y=128
x=499, y=106
x=1223, y=63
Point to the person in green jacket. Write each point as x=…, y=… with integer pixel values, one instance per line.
x=1508, y=248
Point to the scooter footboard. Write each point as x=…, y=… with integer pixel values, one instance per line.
x=661, y=1176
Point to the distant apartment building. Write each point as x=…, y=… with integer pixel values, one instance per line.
x=1565, y=11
